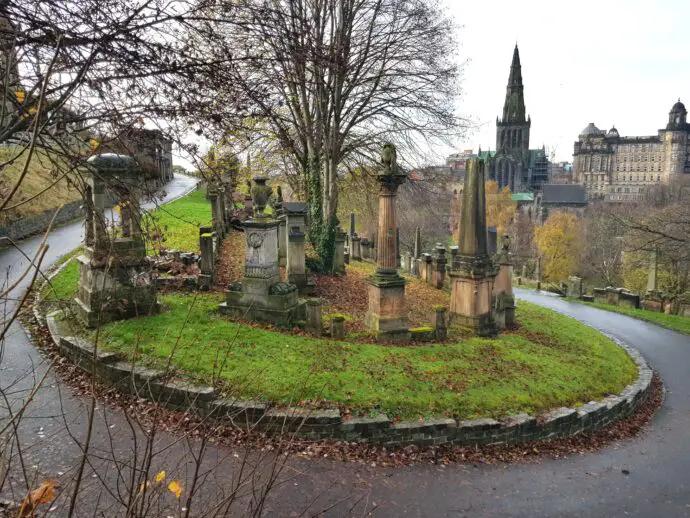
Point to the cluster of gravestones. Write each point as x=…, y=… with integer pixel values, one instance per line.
x=654, y=299
x=479, y=282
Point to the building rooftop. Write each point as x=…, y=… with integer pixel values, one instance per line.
x=564, y=194
x=295, y=206
x=591, y=131
x=522, y=196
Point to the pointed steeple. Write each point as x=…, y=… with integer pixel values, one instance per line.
x=514, y=107
x=515, y=78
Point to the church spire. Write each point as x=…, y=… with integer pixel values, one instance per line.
x=515, y=78
x=514, y=107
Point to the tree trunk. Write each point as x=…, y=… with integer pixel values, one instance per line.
x=315, y=198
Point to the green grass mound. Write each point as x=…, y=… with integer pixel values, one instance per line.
x=63, y=286
x=175, y=225
x=551, y=361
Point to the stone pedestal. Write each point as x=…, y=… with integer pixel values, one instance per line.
x=438, y=320
x=504, y=300
x=114, y=275
x=314, y=317
x=282, y=240
x=217, y=212
x=296, y=268
x=654, y=301
x=364, y=244
x=296, y=214
x=261, y=295
x=356, y=254
x=439, y=267
x=427, y=268
x=472, y=278
x=387, y=317
x=406, y=262
x=574, y=290
x=338, y=327
x=207, y=260
x=339, y=253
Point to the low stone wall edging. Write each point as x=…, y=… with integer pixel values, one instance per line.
x=110, y=369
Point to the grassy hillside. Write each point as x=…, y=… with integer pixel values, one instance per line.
x=39, y=177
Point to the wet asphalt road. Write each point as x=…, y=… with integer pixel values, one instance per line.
x=658, y=461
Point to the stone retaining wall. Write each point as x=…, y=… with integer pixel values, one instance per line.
x=110, y=369
x=26, y=227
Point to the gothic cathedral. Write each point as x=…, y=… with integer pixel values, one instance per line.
x=513, y=164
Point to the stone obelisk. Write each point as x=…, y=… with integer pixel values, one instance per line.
x=472, y=278
x=387, y=318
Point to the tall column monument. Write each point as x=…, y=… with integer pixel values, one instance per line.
x=387, y=318
x=472, y=277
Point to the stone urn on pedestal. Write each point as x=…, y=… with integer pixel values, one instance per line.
x=261, y=295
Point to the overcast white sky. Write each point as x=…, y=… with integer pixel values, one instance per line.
x=607, y=61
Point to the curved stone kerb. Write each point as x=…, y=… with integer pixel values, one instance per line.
x=331, y=424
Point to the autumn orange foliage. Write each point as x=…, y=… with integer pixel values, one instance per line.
x=43, y=494
x=558, y=241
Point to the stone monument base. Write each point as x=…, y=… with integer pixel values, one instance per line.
x=654, y=301
x=114, y=290
x=254, y=299
x=470, y=302
x=504, y=315
x=305, y=285
x=386, y=317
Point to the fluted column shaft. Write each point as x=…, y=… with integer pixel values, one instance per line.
x=386, y=245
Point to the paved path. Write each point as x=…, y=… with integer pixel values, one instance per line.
x=658, y=461
x=593, y=485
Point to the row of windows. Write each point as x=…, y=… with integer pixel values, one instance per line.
x=645, y=168
x=591, y=179
x=640, y=158
x=620, y=198
x=632, y=148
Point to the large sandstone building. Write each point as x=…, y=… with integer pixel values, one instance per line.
x=514, y=164
x=619, y=168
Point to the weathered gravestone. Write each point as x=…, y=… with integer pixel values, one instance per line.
x=114, y=274
x=504, y=304
x=261, y=295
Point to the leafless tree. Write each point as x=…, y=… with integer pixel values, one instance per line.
x=73, y=72
x=334, y=79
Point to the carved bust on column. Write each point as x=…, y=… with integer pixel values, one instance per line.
x=387, y=317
